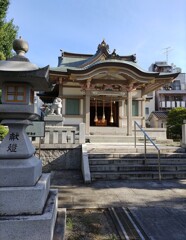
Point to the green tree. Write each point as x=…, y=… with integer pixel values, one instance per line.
x=175, y=122
x=8, y=31
x=3, y=132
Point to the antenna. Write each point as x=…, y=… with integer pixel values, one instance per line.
x=167, y=50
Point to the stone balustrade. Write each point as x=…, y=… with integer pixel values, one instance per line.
x=63, y=135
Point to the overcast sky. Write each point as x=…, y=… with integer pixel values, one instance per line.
x=141, y=27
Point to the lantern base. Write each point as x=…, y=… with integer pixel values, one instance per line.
x=31, y=227
x=20, y=172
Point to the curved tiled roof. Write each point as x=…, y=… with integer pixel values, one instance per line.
x=83, y=63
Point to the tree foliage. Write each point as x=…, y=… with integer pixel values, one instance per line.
x=3, y=132
x=175, y=122
x=8, y=31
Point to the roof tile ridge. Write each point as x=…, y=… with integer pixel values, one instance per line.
x=95, y=58
x=71, y=54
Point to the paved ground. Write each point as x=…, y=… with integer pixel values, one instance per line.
x=160, y=207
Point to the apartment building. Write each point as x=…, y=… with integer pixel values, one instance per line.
x=170, y=95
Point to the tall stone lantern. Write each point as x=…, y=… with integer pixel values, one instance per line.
x=27, y=205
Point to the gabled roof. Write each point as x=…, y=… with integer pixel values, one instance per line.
x=106, y=66
x=159, y=115
x=76, y=61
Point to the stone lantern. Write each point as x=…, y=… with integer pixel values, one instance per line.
x=28, y=207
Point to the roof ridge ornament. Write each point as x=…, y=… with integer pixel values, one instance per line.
x=103, y=47
x=113, y=55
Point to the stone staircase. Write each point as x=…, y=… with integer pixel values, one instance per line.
x=122, y=161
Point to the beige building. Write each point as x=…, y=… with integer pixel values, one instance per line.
x=103, y=89
x=158, y=119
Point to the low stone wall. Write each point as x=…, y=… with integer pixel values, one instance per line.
x=60, y=158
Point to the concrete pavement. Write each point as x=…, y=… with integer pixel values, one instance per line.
x=159, y=207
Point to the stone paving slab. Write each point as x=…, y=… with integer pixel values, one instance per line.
x=161, y=223
x=160, y=207
x=73, y=191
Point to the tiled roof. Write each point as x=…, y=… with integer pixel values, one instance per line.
x=160, y=115
x=75, y=63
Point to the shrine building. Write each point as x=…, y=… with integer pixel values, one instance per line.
x=103, y=89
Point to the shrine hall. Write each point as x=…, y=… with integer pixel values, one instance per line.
x=103, y=89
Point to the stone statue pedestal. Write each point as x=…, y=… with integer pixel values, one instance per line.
x=54, y=120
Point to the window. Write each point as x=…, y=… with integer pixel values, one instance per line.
x=178, y=98
x=146, y=110
x=16, y=93
x=72, y=106
x=134, y=108
x=176, y=85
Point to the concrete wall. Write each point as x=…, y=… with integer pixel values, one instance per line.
x=60, y=159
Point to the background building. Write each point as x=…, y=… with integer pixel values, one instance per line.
x=170, y=95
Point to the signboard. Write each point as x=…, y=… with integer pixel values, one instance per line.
x=36, y=130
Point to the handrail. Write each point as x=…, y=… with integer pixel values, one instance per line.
x=145, y=145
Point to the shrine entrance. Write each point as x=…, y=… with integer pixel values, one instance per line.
x=104, y=112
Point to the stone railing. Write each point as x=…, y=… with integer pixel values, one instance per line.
x=63, y=135
x=60, y=135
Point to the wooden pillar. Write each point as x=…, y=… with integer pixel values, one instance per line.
x=121, y=113
x=143, y=113
x=60, y=88
x=87, y=112
x=129, y=113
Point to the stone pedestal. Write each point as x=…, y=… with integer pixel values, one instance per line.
x=54, y=120
x=28, y=200
x=32, y=226
x=28, y=207
x=20, y=172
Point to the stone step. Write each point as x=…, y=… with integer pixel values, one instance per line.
x=129, y=149
x=123, y=139
x=123, y=161
x=106, y=138
x=125, y=156
x=143, y=175
x=132, y=161
x=136, y=168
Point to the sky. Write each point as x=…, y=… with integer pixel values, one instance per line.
x=142, y=27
